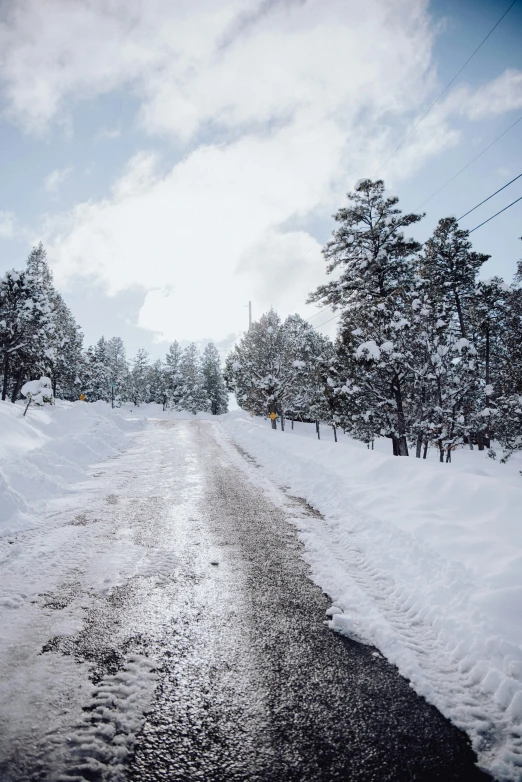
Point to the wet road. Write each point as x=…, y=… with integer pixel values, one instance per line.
x=254, y=685
x=248, y=683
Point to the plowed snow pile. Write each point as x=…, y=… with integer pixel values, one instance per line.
x=421, y=559
x=43, y=454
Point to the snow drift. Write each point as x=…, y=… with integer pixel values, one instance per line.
x=422, y=560
x=48, y=450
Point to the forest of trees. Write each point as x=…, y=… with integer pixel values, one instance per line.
x=426, y=353
x=39, y=336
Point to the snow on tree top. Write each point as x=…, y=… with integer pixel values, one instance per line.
x=360, y=183
x=368, y=349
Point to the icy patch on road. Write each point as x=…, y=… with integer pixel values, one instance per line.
x=438, y=593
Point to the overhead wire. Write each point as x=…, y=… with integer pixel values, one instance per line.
x=496, y=215
x=318, y=313
x=328, y=321
x=488, y=198
x=469, y=164
x=446, y=88
x=464, y=167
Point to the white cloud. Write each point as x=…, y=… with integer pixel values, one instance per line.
x=202, y=229
x=497, y=96
x=7, y=224
x=305, y=97
x=194, y=63
x=56, y=178
x=109, y=134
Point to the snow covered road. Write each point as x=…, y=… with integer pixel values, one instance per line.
x=164, y=627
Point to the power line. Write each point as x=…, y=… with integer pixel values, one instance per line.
x=469, y=164
x=328, y=321
x=318, y=313
x=487, y=199
x=495, y=215
x=446, y=88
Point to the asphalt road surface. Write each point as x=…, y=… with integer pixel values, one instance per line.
x=246, y=681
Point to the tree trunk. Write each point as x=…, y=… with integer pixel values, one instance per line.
x=401, y=423
x=282, y=422
x=6, y=376
x=335, y=432
x=18, y=386
x=317, y=430
x=425, y=452
x=292, y=423
x=448, y=454
x=461, y=317
x=418, y=446
x=441, y=451
x=480, y=441
x=487, y=436
x=395, y=446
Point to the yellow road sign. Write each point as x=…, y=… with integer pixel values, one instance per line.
x=82, y=397
x=272, y=416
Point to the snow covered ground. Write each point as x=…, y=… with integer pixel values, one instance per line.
x=421, y=559
x=43, y=454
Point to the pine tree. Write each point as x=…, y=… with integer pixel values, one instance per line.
x=24, y=330
x=306, y=351
x=65, y=352
x=256, y=369
x=213, y=383
x=157, y=384
x=448, y=268
x=373, y=291
x=118, y=370
x=451, y=266
x=192, y=397
x=138, y=378
x=173, y=375
x=275, y=367
x=507, y=384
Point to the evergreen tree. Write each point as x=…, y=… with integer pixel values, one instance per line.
x=306, y=351
x=173, y=375
x=506, y=389
x=193, y=397
x=256, y=369
x=24, y=330
x=444, y=372
x=65, y=352
x=373, y=291
x=138, y=378
x=118, y=370
x=157, y=384
x=275, y=367
x=213, y=383
x=451, y=266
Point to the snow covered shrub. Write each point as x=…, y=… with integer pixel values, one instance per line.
x=39, y=392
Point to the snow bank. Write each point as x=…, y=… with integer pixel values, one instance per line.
x=423, y=560
x=49, y=449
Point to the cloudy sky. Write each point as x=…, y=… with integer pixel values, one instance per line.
x=181, y=158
